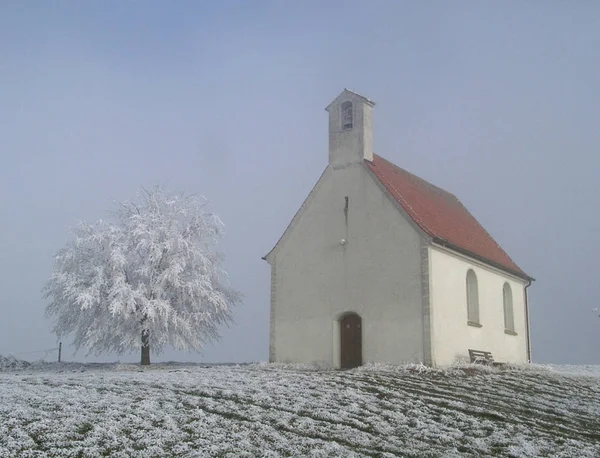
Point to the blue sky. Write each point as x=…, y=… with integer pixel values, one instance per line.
x=498, y=103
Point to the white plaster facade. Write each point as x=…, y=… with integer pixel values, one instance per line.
x=377, y=274
x=452, y=336
x=352, y=248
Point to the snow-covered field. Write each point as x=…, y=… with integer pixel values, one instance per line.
x=172, y=410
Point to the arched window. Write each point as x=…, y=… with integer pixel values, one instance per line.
x=472, y=298
x=347, y=116
x=509, y=317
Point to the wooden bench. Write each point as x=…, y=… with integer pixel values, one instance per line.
x=481, y=357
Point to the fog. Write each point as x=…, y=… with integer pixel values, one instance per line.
x=497, y=103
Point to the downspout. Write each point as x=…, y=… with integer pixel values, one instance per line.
x=527, y=320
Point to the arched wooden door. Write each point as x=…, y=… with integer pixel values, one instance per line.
x=351, y=341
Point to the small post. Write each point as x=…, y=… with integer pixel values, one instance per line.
x=59, y=350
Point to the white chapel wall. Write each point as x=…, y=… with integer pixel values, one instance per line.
x=376, y=274
x=451, y=335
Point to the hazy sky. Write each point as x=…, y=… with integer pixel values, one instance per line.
x=497, y=102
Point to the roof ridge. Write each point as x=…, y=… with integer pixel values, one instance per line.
x=423, y=180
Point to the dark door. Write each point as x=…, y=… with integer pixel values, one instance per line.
x=351, y=341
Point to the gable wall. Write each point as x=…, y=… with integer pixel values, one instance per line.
x=377, y=274
x=451, y=335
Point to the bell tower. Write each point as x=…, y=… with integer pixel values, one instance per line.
x=350, y=129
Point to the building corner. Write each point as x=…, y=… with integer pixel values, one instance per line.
x=272, y=352
x=428, y=357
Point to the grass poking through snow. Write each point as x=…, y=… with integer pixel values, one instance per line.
x=274, y=410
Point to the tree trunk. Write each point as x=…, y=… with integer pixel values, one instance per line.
x=145, y=348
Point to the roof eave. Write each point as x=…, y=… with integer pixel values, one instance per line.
x=497, y=265
x=297, y=215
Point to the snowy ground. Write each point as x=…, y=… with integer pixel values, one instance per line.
x=268, y=410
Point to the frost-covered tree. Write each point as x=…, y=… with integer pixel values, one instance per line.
x=150, y=276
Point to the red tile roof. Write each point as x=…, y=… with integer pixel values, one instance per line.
x=441, y=215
